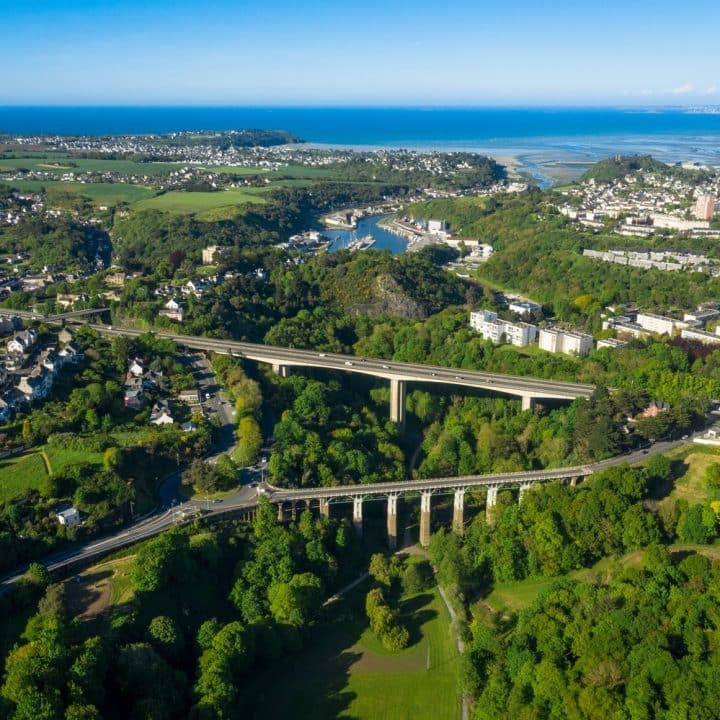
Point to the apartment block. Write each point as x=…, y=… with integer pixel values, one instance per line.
x=555, y=340
x=487, y=324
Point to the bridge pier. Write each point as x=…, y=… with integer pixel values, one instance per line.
x=280, y=370
x=357, y=514
x=458, y=522
x=528, y=403
x=392, y=520
x=425, y=497
x=325, y=507
x=523, y=489
x=490, y=502
x=398, y=389
x=281, y=512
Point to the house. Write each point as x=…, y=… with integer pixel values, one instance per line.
x=9, y=324
x=22, y=342
x=36, y=384
x=208, y=254
x=191, y=397
x=67, y=301
x=51, y=361
x=71, y=353
x=68, y=517
x=173, y=310
x=5, y=410
x=188, y=426
x=136, y=368
x=654, y=409
x=116, y=278
x=134, y=399
x=195, y=287
x=161, y=413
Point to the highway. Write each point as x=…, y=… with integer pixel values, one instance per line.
x=387, y=369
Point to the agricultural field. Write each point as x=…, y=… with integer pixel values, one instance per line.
x=347, y=673
x=196, y=202
x=60, y=164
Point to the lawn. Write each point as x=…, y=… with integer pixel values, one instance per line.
x=195, y=202
x=345, y=673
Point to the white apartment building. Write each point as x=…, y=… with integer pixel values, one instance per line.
x=703, y=336
x=523, y=307
x=659, y=323
x=555, y=340
x=487, y=324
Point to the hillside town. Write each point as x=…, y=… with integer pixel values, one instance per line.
x=645, y=203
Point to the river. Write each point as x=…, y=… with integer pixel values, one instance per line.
x=384, y=240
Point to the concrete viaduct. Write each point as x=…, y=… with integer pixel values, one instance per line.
x=322, y=498
x=398, y=373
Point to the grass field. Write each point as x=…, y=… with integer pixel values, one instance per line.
x=21, y=473
x=28, y=471
x=195, y=202
x=347, y=674
x=98, y=193
x=691, y=486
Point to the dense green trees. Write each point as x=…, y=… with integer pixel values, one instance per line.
x=639, y=647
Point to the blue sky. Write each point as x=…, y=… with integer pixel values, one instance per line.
x=390, y=52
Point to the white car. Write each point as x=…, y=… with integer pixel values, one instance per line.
x=347, y=362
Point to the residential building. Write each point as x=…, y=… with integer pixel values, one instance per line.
x=134, y=399
x=610, y=343
x=499, y=331
x=705, y=206
x=437, y=227
x=702, y=336
x=659, y=323
x=22, y=342
x=68, y=517
x=523, y=307
x=208, y=254
x=173, y=310
x=555, y=340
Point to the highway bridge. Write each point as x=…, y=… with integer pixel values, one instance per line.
x=290, y=502
x=398, y=373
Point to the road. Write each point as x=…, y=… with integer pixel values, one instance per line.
x=390, y=370
x=214, y=402
x=246, y=497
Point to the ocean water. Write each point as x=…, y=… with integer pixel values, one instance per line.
x=569, y=133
